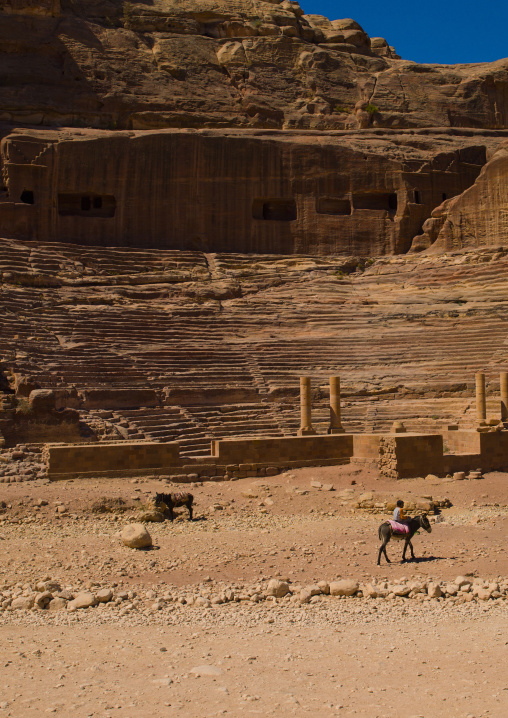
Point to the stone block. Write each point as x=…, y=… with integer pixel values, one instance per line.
x=285, y=450
x=99, y=459
x=118, y=398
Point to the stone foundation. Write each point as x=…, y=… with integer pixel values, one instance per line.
x=122, y=459
x=397, y=456
x=291, y=449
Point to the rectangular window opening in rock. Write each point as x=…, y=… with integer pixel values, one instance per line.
x=278, y=209
x=333, y=205
x=379, y=201
x=417, y=197
x=27, y=197
x=79, y=205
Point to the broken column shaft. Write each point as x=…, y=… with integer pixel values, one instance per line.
x=335, y=424
x=481, y=405
x=305, y=407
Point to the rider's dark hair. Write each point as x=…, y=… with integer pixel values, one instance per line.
x=400, y=503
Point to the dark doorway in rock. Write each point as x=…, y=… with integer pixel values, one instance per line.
x=417, y=197
x=380, y=201
x=27, y=197
x=277, y=209
x=86, y=205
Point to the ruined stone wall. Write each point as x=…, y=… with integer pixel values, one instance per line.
x=123, y=459
x=405, y=456
x=286, y=449
x=400, y=456
x=229, y=191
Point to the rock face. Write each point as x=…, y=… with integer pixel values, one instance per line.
x=476, y=218
x=283, y=193
x=201, y=63
x=234, y=88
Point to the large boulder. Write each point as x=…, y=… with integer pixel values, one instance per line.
x=136, y=536
x=344, y=587
x=22, y=603
x=84, y=599
x=42, y=400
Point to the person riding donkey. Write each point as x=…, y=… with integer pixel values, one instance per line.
x=399, y=515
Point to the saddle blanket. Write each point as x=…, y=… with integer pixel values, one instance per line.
x=398, y=528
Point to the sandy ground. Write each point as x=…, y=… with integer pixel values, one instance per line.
x=331, y=657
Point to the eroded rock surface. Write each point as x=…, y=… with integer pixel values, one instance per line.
x=230, y=63
x=476, y=218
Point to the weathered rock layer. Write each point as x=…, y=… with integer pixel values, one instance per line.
x=219, y=64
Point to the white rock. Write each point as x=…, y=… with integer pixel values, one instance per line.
x=136, y=536
x=23, y=602
x=57, y=604
x=401, y=590
x=84, y=599
x=206, y=671
x=344, y=587
x=461, y=581
x=369, y=590
x=202, y=601
x=104, y=595
x=277, y=588
x=434, y=590
x=305, y=595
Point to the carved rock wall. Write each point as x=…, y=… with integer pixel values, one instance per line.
x=476, y=218
x=233, y=191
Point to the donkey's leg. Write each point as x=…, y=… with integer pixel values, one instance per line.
x=189, y=506
x=412, y=552
x=171, y=513
x=405, y=547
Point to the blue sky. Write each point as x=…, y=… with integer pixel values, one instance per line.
x=428, y=30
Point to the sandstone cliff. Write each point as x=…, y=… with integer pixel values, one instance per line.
x=365, y=193
x=476, y=218
x=173, y=63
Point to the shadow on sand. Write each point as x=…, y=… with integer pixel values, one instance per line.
x=425, y=559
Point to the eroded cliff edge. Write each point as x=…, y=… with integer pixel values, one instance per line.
x=168, y=63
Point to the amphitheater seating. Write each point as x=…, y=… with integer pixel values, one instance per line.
x=406, y=335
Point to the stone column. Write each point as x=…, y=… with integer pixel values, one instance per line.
x=481, y=405
x=305, y=407
x=504, y=395
x=335, y=425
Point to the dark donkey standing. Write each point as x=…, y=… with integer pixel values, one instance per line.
x=172, y=500
x=386, y=533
